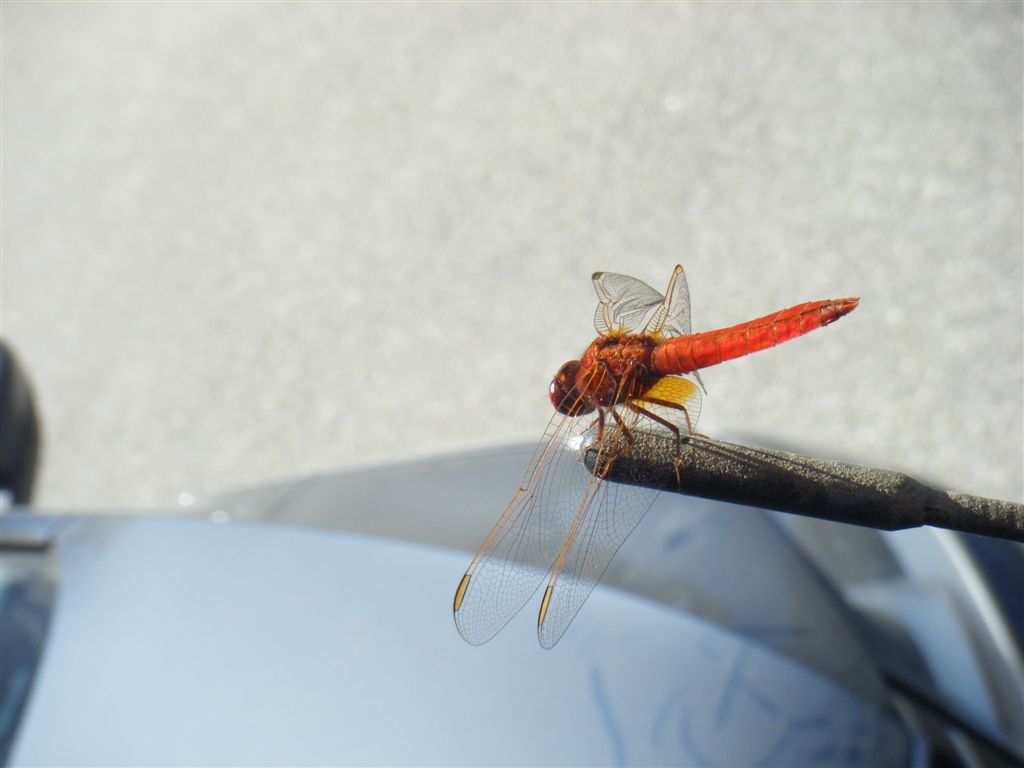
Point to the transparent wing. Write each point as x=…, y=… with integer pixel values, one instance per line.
x=673, y=316
x=518, y=553
x=623, y=303
x=675, y=400
x=609, y=512
x=607, y=517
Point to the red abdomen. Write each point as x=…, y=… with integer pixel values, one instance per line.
x=700, y=350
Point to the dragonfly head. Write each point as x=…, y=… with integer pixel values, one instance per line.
x=565, y=396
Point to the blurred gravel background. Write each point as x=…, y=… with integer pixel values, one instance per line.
x=247, y=241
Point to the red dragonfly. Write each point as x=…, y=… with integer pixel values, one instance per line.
x=565, y=523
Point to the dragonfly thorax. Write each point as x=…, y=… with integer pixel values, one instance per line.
x=612, y=369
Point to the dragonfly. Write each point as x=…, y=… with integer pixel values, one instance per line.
x=565, y=522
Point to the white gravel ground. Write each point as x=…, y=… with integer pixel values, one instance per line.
x=247, y=241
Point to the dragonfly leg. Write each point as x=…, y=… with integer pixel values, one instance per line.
x=668, y=425
x=599, y=422
x=626, y=383
x=626, y=432
x=607, y=456
x=676, y=407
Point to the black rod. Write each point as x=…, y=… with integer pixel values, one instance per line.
x=821, y=488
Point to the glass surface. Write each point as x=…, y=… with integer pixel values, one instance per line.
x=27, y=588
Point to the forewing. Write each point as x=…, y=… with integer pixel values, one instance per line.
x=519, y=551
x=609, y=512
x=623, y=303
x=603, y=521
x=673, y=316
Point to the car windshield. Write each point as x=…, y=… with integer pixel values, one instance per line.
x=858, y=606
x=730, y=565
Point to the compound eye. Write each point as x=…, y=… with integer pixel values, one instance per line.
x=565, y=397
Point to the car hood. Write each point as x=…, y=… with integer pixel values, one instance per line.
x=310, y=623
